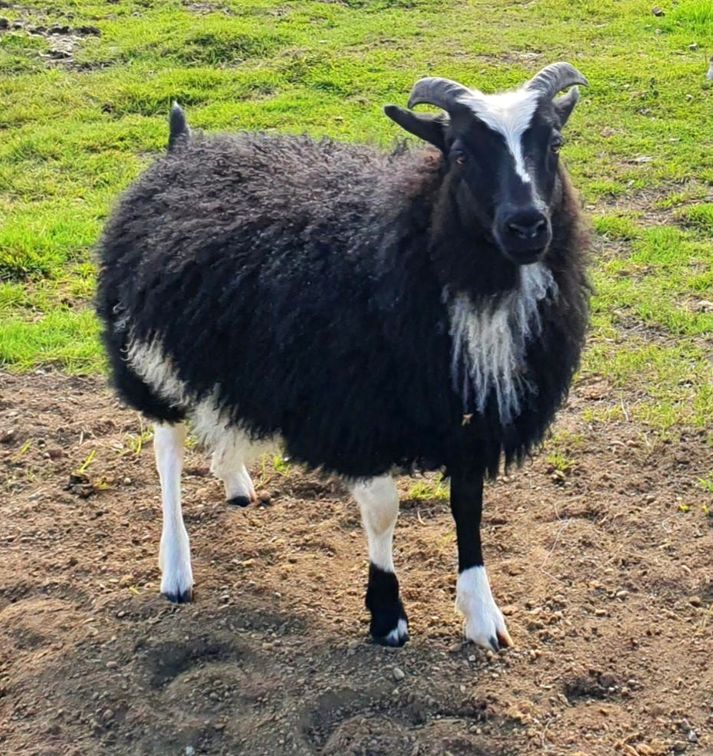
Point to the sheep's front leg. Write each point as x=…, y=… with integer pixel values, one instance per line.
x=484, y=623
x=174, y=556
x=379, y=503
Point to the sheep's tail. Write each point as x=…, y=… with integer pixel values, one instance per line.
x=178, y=132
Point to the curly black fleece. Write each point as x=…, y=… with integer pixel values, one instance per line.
x=304, y=280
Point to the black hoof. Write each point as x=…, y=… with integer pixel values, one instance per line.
x=239, y=501
x=395, y=638
x=184, y=597
x=389, y=624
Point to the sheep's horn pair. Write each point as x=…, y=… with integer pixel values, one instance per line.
x=444, y=93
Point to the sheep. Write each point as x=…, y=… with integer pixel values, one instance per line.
x=373, y=311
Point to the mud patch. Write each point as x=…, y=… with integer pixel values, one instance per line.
x=62, y=40
x=606, y=585
x=593, y=684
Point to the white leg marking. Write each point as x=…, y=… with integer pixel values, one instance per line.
x=175, y=554
x=484, y=623
x=398, y=633
x=228, y=464
x=378, y=500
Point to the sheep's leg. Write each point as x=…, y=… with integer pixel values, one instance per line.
x=484, y=623
x=378, y=500
x=175, y=553
x=228, y=464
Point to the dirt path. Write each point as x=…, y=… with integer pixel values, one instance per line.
x=607, y=584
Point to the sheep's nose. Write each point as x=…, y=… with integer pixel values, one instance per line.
x=527, y=225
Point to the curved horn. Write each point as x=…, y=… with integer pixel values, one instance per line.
x=556, y=77
x=443, y=93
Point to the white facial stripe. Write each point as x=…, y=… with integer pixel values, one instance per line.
x=510, y=114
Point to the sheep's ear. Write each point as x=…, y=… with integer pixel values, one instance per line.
x=565, y=105
x=427, y=127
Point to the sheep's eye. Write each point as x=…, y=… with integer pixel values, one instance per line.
x=460, y=158
x=556, y=144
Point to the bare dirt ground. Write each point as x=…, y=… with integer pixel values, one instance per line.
x=606, y=580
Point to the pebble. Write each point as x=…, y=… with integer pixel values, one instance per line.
x=398, y=673
x=112, y=665
x=7, y=435
x=695, y=601
x=190, y=751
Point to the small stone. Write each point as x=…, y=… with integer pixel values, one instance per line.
x=127, y=481
x=692, y=736
x=658, y=11
x=107, y=715
x=398, y=673
x=695, y=601
x=693, y=46
x=6, y=436
x=112, y=665
x=190, y=751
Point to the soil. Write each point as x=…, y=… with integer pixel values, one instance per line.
x=602, y=564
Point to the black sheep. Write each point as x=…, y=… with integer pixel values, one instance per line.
x=424, y=309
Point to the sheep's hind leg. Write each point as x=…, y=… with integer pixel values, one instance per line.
x=378, y=500
x=175, y=553
x=228, y=464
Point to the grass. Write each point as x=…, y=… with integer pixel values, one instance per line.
x=429, y=489
x=76, y=131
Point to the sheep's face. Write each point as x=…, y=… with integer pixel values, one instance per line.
x=502, y=153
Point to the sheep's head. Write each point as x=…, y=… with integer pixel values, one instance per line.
x=501, y=152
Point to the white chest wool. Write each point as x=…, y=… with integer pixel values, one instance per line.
x=489, y=339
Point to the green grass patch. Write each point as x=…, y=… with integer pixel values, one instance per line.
x=429, y=489
x=76, y=131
